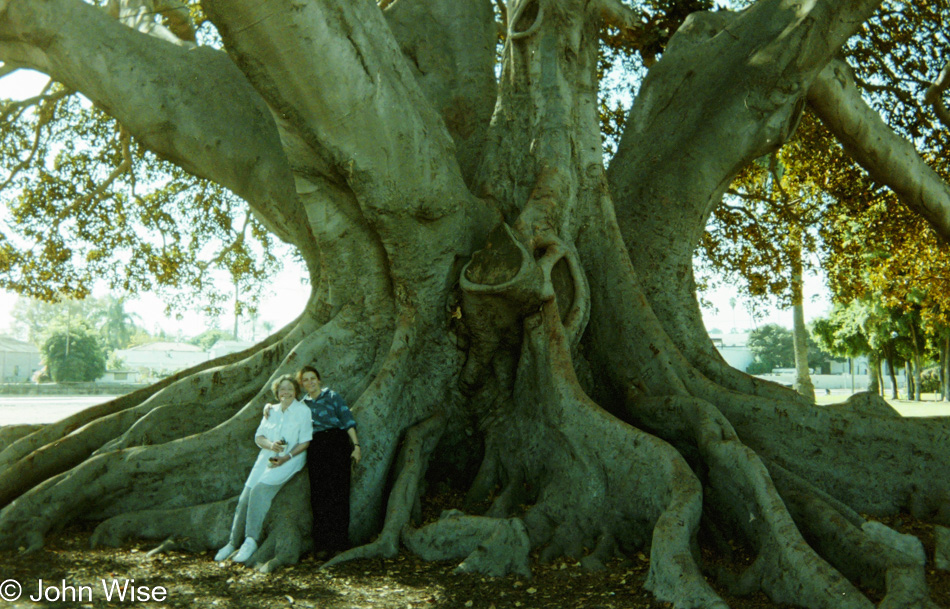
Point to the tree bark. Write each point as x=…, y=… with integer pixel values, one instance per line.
x=945, y=370
x=875, y=385
x=491, y=300
x=889, y=355
x=803, y=384
x=917, y=367
x=911, y=381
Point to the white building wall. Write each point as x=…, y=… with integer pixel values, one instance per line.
x=161, y=358
x=18, y=360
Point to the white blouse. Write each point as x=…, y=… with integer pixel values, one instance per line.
x=294, y=426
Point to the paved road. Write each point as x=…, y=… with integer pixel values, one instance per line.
x=19, y=409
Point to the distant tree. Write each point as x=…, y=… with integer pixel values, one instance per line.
x=33, y=318
x=773, y=347
x=116, y=325
x=74, y=354
x=846, y=333
x=114, y=362
x=141, y=336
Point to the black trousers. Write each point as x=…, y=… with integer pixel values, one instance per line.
x=328, y=464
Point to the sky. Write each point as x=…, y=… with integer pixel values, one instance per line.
x=288, y=298
x=722, y=317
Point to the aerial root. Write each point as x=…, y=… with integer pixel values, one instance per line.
x=485, y=480
x=605, y=549
x=491, y=546
x=674, y=573
x=868, y=552
x=58, y=447
x=511, y=495
x=412, y=463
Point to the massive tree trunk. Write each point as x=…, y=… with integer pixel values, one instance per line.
x=502, y=312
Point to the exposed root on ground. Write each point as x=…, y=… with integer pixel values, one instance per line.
x=411, y=466
x=741, y=494
x=867, y=552
x=11, y=433
x=286, y=533
x=841, y=448
x=184, y=472
x=55, y=431
x=67, y=446
x=492, y=546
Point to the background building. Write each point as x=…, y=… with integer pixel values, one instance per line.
x=18, y=360
x=161, y=359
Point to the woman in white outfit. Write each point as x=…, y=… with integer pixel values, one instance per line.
x=288, y=425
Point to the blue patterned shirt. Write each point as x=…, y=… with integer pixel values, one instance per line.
x=329, y=411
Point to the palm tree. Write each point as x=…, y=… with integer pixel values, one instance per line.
x=116, y=325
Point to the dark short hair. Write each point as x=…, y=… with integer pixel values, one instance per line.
x=285, y=377
x=307, y=369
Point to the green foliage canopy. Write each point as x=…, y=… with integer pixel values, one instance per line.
x=862, y=237
x=74, y=354
x=772, y=345
x=83, y=202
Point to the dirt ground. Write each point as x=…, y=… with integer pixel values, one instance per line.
x=404, y=582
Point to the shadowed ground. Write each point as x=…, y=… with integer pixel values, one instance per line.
x=402, y=582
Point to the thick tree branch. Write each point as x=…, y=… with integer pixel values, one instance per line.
x=621, y=16
x=367, y=118
x=934, y=95
x=728, y=89
x=887, y=157
x=450, y=48
x=193, y=108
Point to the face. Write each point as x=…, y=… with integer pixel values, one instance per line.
x=310, y=382
x=286, y=392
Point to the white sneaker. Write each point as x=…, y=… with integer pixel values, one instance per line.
x=247, y=550
x=224, y=552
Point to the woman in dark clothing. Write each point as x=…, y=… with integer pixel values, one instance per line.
x=328, y=462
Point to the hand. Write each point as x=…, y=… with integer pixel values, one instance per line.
x=356, y=454
x=278, y=446
x=278, y=461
